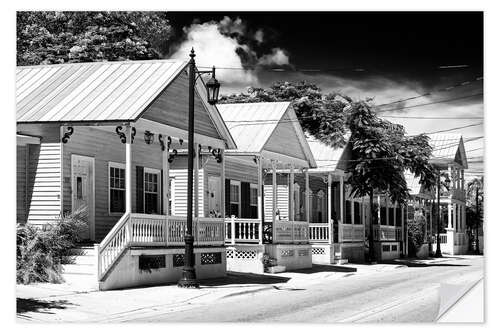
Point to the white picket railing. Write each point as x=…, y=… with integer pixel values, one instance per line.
x=291, y=232
x=351, y=232
x=239, y=230
x=384, y=232
x=155, y=230
x=318, y=232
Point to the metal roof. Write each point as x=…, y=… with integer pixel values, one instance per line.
x=445, y=148
x=98, y=91
x=412, y=183
x=252, y=124
x=327, y=158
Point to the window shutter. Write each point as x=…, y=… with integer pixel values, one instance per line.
x=246, y=212
x=227, y=197
x=139, y=189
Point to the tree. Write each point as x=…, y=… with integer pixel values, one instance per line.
x=319, y=114
x=475, y=197
x=49, y=37
x=381, y=152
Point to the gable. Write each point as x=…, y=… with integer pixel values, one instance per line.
x=171, y=108
x=284, y=140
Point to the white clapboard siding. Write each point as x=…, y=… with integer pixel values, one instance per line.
x=45, y=183
x=282, y=204
x=179, y=192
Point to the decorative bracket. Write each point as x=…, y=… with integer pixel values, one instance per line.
x=67, y=134
x=217, y=153
x=162, y=142
x=122, y=135
x=172, y=155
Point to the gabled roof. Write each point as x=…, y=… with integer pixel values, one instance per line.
x=448, y=148
x=252, y=126
x=96, y=91
x=327, y=158
x=106, y=92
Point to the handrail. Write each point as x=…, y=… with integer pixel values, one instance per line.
x=112, y=246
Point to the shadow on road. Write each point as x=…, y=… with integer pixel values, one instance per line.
x=33, y=305
x=326, y=268
x=242, y=279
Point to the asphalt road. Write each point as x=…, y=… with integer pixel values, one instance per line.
x=408, y=294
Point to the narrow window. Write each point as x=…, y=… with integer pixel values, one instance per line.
x=234, y=198
x=116, y=188
x=253, y=200
x=79, y=189
x=151, y=191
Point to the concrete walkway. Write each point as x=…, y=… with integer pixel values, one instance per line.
x=64, y=303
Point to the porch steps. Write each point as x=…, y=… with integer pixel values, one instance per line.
x=338, y=259
x=81, y=273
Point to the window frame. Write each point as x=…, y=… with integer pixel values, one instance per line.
x=158, y=193
x=236, y=183
x=116, y=165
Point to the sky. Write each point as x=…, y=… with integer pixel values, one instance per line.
x=387, y=56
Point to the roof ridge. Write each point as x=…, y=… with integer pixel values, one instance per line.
x=102, y=62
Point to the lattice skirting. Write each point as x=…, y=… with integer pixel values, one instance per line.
x=318, y=251
x=241, y=254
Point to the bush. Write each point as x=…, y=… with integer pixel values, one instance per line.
x=41, y=251
x=416, y=233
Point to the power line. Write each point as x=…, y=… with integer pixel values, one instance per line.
x=431, y=103
x=457, y=85
x=416, y=117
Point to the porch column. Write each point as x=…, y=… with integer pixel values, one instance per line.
x=450, y=174
x=291, y=213
x=259, y=196
x=430, y=220
x=449, y=216
x=342, y=203
x=275, y=196
x=196, y=179
x=222, y=207
x=128, y=169
x=379, y=221
x=307, y=196
x=386, y=210
x=166, y=178
x=329, y=208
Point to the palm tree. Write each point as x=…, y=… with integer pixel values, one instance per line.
x=475, y=193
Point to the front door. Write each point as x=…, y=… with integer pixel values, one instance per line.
x=82, y=190
x=214, y=196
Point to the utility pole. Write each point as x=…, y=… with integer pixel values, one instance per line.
x=477, y=220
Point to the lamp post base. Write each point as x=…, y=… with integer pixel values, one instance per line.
x=188, y=279
x=438, y=254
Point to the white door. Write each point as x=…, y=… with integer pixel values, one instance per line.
x=82, y=190
x=214, y=197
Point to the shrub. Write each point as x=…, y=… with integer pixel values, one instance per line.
x=41, y=251
x=416, y=233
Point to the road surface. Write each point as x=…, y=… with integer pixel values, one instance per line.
x=407, y=294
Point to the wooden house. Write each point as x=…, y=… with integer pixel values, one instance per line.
x=103, y=136
x=269, y=138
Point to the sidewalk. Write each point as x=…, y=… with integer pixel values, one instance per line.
x=62, y=303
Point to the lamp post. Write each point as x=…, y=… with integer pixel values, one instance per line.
x=438, y=219
x=188, y=278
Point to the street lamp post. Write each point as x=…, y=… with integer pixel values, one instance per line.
x=188, y=278
x=438, y=253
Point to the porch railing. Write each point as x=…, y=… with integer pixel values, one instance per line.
x=291, y=232
x=385, y=232
x=460, y=239
x=318, y=232
x=240, y=230
x=443, y=239
x=351, y=232
x=155, y=230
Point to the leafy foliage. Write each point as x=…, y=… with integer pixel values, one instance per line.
x=319, y=114
x=416, y=233
x=41, y=252
x=381, y=152
x=49, y=37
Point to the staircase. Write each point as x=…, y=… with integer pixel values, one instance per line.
x=81, y=274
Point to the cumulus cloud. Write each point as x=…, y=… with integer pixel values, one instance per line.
x=229, y=43
x=276, y=57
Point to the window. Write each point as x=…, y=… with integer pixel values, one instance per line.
x=399, y=212
x=116, y=188
x=357, y=213
x=348, y=212
x=383, y=215
x=391, y=215
x=151, y=191
x=253, y=199
x=234, y=198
